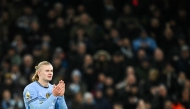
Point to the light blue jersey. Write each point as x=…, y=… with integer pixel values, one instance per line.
x=38, y=97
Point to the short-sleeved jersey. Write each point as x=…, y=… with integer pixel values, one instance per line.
x=38, y=97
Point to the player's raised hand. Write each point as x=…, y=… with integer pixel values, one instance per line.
x=61, y=83
x=62, y=86
x=56, y=90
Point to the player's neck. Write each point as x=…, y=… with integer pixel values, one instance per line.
x=43, y=83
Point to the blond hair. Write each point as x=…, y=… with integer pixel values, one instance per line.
x=36, y=77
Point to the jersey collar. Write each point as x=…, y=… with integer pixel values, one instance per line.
x=41, y=85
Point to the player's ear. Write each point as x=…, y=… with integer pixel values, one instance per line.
x=38, y=73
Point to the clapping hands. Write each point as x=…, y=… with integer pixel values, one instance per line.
x=59, y=90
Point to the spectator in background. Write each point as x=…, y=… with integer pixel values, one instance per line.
x=182, y=20
x=11, y=103
x=37, y=55
x=13, y=56
x=143, y=69
x=109, y=9
x=102, y=59
x=19, y=44
x=85, y=22
x=129, y=77
x=110, y=95
x=185, y=98
x=168, y=43
x=101, y=102
x=181, y=79
x=18, y=79
x=163, y=96
x=141, y=55
x=3, y=44
x=5, y=66
x=59, y=71
x=8, y=84
x=35, y=4
x=141, y=105
x=76, y=85
x=77, y=102
x=46, y=46
x=158, y=59
x=144, y=42
x=60, y=34
x=81, y=9
x=108, y=25
x=109, y=82
x=114, y=41
x=89, y=102
x=117, y=67
x=117, y=106
x=155, y=29
x=88, y=71
x=157, y=13
x=59, y=53
x=71, y=55
x=49, y=22
x=46, y=39
x=168, y=77
x=128, y=95
x=58, y=7
x=34, y=35
x=8, y=102
x=70, y=16
x=150, y=85
x=16, y=9
x=187, y=84
x=18, y=104
x=24, y=21
x=100, y=84
x=46, y=51
x=81, y=36
x=127, y=23
x=5, y=39
x=182, y=62
x=168, y=105
x=27, y=66
x=130, y=70
x=5, y=21
x=81, y=50
x=181, y=42
x=126, y=48
x=104, y=39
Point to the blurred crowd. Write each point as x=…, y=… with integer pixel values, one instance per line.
x=112, y=54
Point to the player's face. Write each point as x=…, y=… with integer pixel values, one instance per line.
x=46, y=72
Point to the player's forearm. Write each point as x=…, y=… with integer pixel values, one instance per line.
x=61, y=103
x=45, y=105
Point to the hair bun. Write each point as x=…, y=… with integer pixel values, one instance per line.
x=36, y=67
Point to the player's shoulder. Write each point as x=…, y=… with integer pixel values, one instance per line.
x=31, y=86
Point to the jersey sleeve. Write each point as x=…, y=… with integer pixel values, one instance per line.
x=60, y=103
x=29, y=95
x=32, y=101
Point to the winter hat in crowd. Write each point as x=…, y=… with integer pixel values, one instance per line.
x=102, y=52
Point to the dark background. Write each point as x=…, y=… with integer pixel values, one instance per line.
x=112, y=54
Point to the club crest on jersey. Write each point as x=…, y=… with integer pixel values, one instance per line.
x=47, y=95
